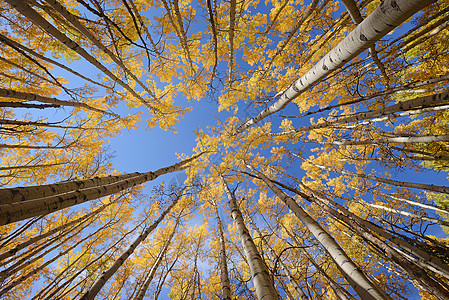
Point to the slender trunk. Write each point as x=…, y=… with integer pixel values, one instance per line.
x=41, y=294
x=259, y=272
x=407, y=214
x=414, y=271
x=36, y=166
x=107, y=274
x=17, y=46
x=398, y=139
x=8, y=93
x=69, y=17
x=413, y=41
x=232, y=10
x=356, y=278
x=12, y=236
x=432, y=262
x=27, y=257
x=422, y=102
x=428, y=187
x=141, y=294
x=50, y=232
x=224, y=276
x=41, y=267
x=42, y=124
x=28, y=12
x=388, y=91
x=381, y=21
x=284, y=268
x=17, y=211
x=27, y=105
x=292, y=32
x=338, y=290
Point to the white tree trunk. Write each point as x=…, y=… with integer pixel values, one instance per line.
x=7, y=93
x=261, y=278
x=107, y=274
x=381, y=21
x=355, y=277
x=23, y=8
x=29, y=207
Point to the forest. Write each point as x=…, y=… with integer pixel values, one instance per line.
x=309, y=158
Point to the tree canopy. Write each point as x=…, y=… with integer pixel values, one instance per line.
x=321, y=176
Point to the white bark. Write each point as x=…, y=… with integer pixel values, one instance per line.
x=224, y=276
x=7, y=93
x=381, y=21
x=23, y=8
x=13, y=212
x=261, y=278
x=107, y=274
x=398, y=139
x=421, y=102
x=359, y=282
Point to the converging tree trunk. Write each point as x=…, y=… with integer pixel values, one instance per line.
x=41, y=200
x=381, y=21
x=356, y=278
x=98, y=285
x=259, y=272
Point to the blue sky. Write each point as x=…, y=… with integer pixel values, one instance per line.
x=143, y=150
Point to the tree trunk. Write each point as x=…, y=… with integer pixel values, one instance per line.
x=19, y=47
x=27, y=11
x=225, y=283
x=141, y=294
x=355, y=277
x=98, y=285
x=429, y=187
x=52, y=231
x=381, y=21
x=69, y=17
x=422, y=102
x=27, y=105
x=284, y=268
x=7, y=93
x=432, y=263
x=261, y=278
x=32, y=205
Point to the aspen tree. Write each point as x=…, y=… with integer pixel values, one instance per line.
x=433, y=263
x=143, y=289
x=429, y=262
x=7, y=93
x=284, y=268
x=429, y=187
x=67, y=281
x=98, y=285
x=13, y=283
x=421, y=102
x=359, y=282
x=52, y=231
x=66, y=14
x=259, y=272
x=381, y=21
x=30, y=13
x=19, y=47
x=37, y=204
x=224, y=276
